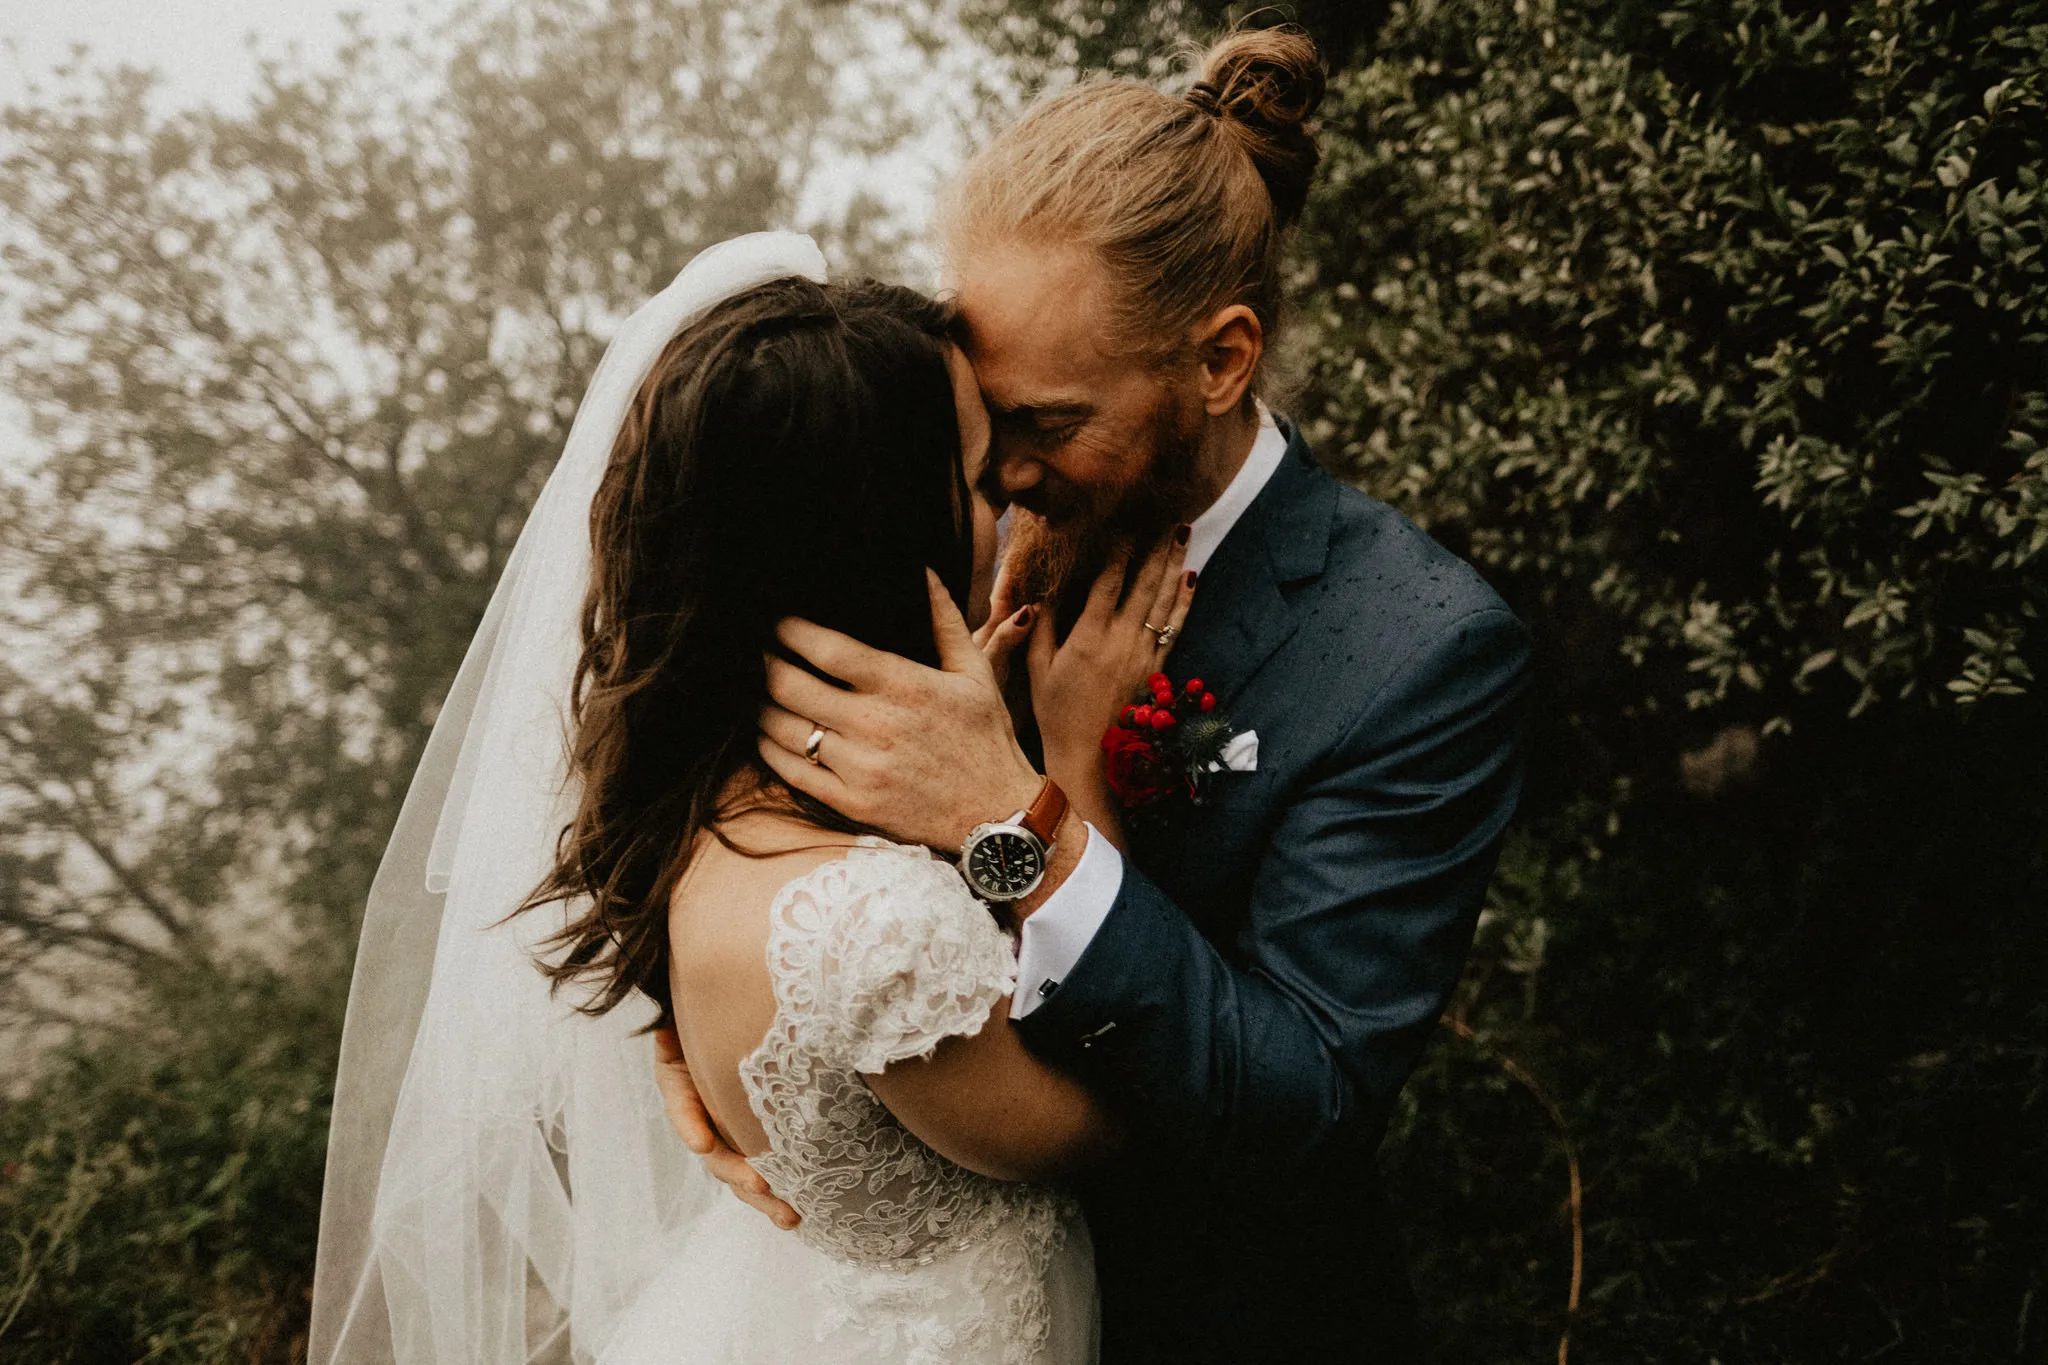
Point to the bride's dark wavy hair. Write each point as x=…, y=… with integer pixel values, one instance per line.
x=795, y=452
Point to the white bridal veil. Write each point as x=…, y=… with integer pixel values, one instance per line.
x=500, y=1179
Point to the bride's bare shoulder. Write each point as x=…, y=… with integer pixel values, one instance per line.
x=720, y=906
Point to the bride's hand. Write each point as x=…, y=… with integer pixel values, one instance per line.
x=1080, y=687
x=692, y=1122
x=1007, y=627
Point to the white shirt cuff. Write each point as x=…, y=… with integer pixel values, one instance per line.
x=1059, y=931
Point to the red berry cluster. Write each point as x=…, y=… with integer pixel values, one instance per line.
x=1167, y=707
x=1164, y=747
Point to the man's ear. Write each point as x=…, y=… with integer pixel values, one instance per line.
x=1229, y=345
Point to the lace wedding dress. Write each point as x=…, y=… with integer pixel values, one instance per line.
x=902, y=1257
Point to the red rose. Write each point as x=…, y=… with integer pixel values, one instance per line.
x=1132, y=764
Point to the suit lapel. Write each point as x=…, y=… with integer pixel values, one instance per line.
x=1240, y=616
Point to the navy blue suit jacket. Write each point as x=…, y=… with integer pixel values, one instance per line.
x=1276, y=960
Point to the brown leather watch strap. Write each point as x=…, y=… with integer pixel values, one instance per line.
x=1046, y=811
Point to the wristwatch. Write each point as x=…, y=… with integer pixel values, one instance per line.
x=1005, y=860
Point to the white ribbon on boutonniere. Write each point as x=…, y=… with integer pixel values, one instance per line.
x=1240, y=755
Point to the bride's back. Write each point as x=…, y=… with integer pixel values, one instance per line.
x=718, y=928
x=807, y=966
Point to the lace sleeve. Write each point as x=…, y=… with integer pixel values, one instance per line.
x=884, y=954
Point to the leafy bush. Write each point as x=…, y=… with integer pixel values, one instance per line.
x=1800, y=1041
x=161, y=1182
x=1718, y=332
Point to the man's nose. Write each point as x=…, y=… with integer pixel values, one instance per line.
x=1018, y=473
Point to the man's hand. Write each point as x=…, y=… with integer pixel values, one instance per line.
x=924, y=754
x=692, y=1122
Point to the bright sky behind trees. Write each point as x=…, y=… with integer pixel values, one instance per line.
x=200, y=46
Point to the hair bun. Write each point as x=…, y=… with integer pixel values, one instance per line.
x=1269, y=82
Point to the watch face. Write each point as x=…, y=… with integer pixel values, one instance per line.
x=1003, y=866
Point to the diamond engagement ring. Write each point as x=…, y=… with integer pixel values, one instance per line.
x=1165, y=636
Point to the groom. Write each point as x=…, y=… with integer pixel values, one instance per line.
x=1252, y=985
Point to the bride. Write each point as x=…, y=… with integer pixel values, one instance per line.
x=591, y=848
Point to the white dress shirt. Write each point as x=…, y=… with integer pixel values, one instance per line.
x=1059, y=931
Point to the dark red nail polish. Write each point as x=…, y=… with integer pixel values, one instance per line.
x=1193, y=578
x=1180, y=534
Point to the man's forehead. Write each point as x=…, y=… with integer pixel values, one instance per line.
x=1031, y=323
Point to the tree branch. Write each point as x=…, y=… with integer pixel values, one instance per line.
x=1456, y=1024
x=80, y=825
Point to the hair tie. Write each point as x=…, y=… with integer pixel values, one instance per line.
x=1207, y=98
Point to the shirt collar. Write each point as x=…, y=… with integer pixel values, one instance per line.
x=1207, y=531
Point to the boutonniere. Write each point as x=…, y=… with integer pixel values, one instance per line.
x=1169, y=743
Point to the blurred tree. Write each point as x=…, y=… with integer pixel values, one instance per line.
x=297, y=374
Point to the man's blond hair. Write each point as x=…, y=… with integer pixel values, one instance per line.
x=1185, y=200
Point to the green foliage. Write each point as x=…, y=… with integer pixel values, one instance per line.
x=1056, y=38
x=160, y=1183
x=1799, y=1039
x=1716, y=333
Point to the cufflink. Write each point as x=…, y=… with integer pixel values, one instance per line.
x=1047, y=987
